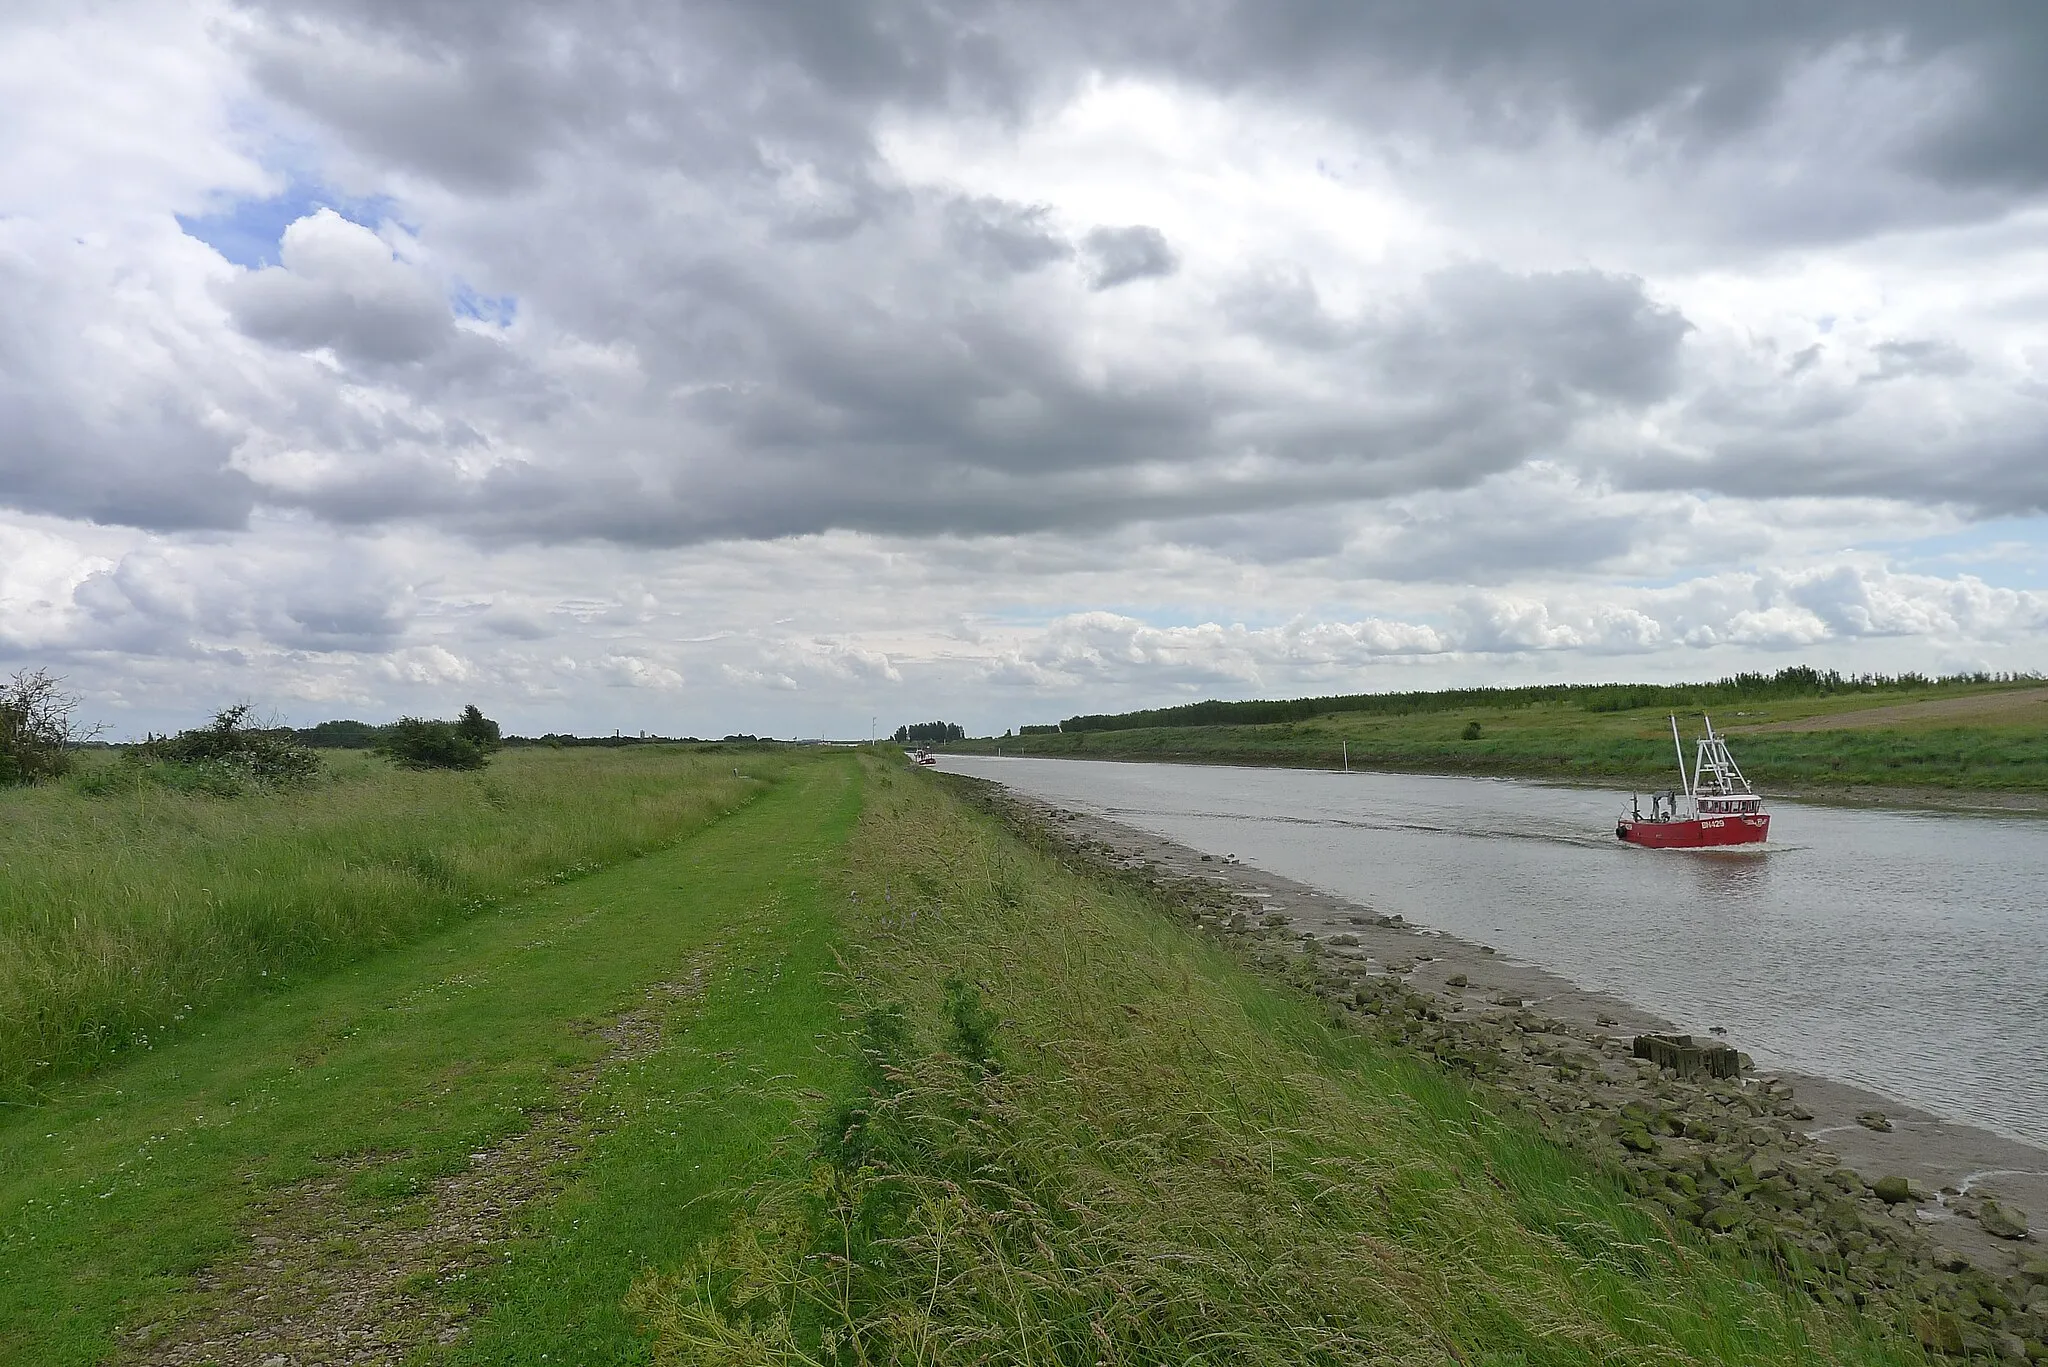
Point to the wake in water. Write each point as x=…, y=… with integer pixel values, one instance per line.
x=1601, y=839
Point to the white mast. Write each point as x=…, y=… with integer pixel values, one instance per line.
x=1676, y=744
x=1717, y=763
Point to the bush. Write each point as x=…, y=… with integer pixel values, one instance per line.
x=36, y=727
x=416, y=743
x=1472, y=730
x=479, y=730
x=226, y=756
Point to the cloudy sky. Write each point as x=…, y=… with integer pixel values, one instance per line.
x=776, y=365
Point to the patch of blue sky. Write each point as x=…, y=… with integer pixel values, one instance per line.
x=496, y=309
x=248, y=231
x=2009, y=553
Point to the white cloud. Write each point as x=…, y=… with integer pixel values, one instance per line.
x=430, y=664
x=634, y=671
x=689, y=371
x=341, y=286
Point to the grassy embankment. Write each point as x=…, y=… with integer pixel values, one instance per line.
x=123, y=913
x=2001, y=744
x=917, y=1091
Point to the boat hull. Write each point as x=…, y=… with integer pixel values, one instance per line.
x=1698, y=833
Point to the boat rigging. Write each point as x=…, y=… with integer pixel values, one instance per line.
x=1716, y=805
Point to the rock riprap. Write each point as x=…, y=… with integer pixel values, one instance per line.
x=1999, y=1222
x=1685, y=1124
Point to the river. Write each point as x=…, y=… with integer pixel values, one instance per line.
x=1903, y=951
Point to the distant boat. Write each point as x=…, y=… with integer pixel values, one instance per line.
x=1716, y=805
x=925, y=757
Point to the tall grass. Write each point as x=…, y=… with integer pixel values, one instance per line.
x=1086, y=1137
x=125, y=911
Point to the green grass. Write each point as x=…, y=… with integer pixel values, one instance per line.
x=920, y=1092
x=115, y=1190
x=125, y=916
x=1562, y=741
x=1085, y=1135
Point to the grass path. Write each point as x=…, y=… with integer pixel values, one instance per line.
x=339, y=1113
x=128, y=914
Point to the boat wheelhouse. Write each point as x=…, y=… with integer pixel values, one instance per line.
x=1715, y=807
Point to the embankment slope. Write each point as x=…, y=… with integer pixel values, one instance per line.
x=1988, y=744
x=856, y=1073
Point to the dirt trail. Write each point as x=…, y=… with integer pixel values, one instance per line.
x=2016, y=707
x=329, y=1280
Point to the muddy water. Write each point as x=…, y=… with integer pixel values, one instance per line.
x=1903, y=951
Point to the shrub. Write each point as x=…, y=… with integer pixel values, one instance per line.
x=36, y=727
x=1472, y=730
x=479, y=730
x=416, y=743
x=226, y=756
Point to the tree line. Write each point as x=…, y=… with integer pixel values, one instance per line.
x=1794, y=681
x=930, y=733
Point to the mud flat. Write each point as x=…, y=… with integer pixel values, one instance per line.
x=1904, y=1209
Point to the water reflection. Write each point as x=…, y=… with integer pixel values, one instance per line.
x=1902, y=951
x=1722, y=877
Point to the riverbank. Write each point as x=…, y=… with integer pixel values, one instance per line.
x=1917, y=1210
x=852, y=1071
x=1986, y=746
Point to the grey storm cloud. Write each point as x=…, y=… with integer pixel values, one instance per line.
x=1922, y=357
x=80, y=439
x=1121, y=255
x=923, y=423
x=2006, y=474
x=743, y=322
x=1005, y=238
x=477, y=92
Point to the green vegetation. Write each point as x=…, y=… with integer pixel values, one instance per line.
x=1080, y=1135
x=930, y=733
x=224, y=757
x=1794, y=681
x=1997, y=747
x=847, y=1073
x=467, y=743
x=126, y=908
x=331, y=1113
x=37, y=730
x=340, y=735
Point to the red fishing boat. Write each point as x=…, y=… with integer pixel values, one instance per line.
x=1716, y=806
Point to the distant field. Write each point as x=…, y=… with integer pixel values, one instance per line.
x=2019, y=706
x=1980, y=738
